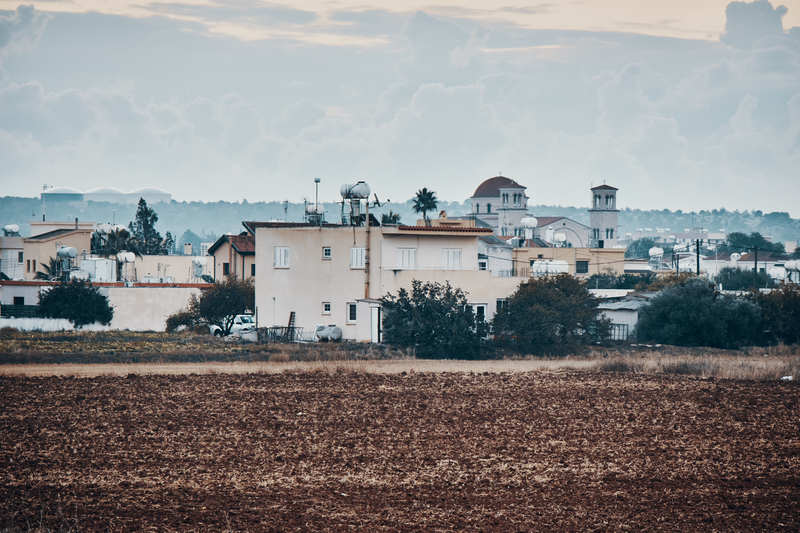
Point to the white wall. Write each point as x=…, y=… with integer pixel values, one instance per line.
x=146, y=308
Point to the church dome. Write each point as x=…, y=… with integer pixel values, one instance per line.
x=491, y=187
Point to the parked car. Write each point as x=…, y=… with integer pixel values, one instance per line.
x=329, y=333
x=241, y=324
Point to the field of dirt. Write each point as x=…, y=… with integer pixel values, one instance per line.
x=435, y=451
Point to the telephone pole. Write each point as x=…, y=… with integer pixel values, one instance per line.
x=697, y=244
x=755, y=266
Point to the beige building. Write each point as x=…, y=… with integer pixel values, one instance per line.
x=233, y=255
x=167, y=269
x=580, y=262
x=39, y=249
x=333, y=274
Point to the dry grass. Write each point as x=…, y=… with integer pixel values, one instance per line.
x=763, y=366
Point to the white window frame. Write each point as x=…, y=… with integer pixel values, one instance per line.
x=328, y=304
x=448, y=259
x=348, y=307
x=280, y=257
x=358, y=257
x=485, y=311
x=330, y=253
x=406, y=258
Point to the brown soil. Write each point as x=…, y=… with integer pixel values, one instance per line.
x=349, y=450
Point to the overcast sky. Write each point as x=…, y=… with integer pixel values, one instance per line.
x=682, y=104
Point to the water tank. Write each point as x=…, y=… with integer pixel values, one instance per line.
x=67, y=252
x=11, y=229
x=735, y=256
x=655, y=251
x=355, y=191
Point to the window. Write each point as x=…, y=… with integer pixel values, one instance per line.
x=358, y=257
x=451, y=258
x=581, y=267
x=253, y=269
x=505, y=198
x=488, y=208
x=501, y=304
x=326, y=253
x=597, y=200
x=19, y=300
x=609, y=201
x=226, y=269
x=28, y=266
x=407, y=257
x=326, y=308
x=34, y=265
x=281, y=257
x=352, y=311
x=482, y=264
x=477, y=208
x=596, y=233
x=19, y=257
x=480, y=312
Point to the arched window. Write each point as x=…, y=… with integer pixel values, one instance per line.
x=488, y=208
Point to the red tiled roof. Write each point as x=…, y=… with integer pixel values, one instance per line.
x=491, y=187
x=444, y=229
x=546, y=221
x=244, y=244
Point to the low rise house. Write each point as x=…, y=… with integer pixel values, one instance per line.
x=40, y=248
x=580, y=262
x=309, y=275
x=233, y=255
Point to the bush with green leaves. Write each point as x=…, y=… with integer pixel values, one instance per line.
x=184, y=318
x=435, y=319
x=694, y=313
x=620, y=281
x=220, y=303
x=549, y=315
x=735, y=279
x=77, y=301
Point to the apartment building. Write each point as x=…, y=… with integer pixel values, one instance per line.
x=336, y=274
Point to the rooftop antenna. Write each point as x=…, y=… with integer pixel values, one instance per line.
x=316, y=193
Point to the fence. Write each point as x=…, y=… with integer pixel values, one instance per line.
x=280, y=334
x=19, y=311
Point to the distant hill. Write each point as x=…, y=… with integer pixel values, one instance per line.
x=215, y=218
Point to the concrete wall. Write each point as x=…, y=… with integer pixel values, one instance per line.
x=146, y=308
x=10, y=264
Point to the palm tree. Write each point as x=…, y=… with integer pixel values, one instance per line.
x=425, y=201
x=52, y=270
x=390, y=218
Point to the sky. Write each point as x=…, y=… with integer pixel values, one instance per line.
x=681, y=104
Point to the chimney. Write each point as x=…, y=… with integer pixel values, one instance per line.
x=187, y=248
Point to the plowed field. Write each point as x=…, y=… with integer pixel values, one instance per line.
x=341, y=451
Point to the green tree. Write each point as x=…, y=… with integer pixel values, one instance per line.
x=435, y=319
x=425, y=201
x=741, y=242
x=115, y=241
x=143, y=230
x=220, y=303
x=620, y=281
x=553, y=314
x=735, y=279
x=780, y=310
x=169, y=244
x=693, y=313
x=640, y=248
x=77, y=301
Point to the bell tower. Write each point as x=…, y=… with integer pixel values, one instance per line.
x=604, y=217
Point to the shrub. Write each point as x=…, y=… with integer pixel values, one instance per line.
x=695, y=314
x=77, y=301
x=181, y=318
x=620, y=366
x=548, y=315
x=435, y=319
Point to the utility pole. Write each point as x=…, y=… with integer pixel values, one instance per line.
x=755, y=266
x=698, y=256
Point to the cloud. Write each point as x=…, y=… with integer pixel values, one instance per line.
x=748, y=22
x=235, y=10
x=20, y=29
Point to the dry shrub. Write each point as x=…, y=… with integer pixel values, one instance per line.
x=690, y=368
x=279, y=357
x=620, y=366
x=8, y=333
